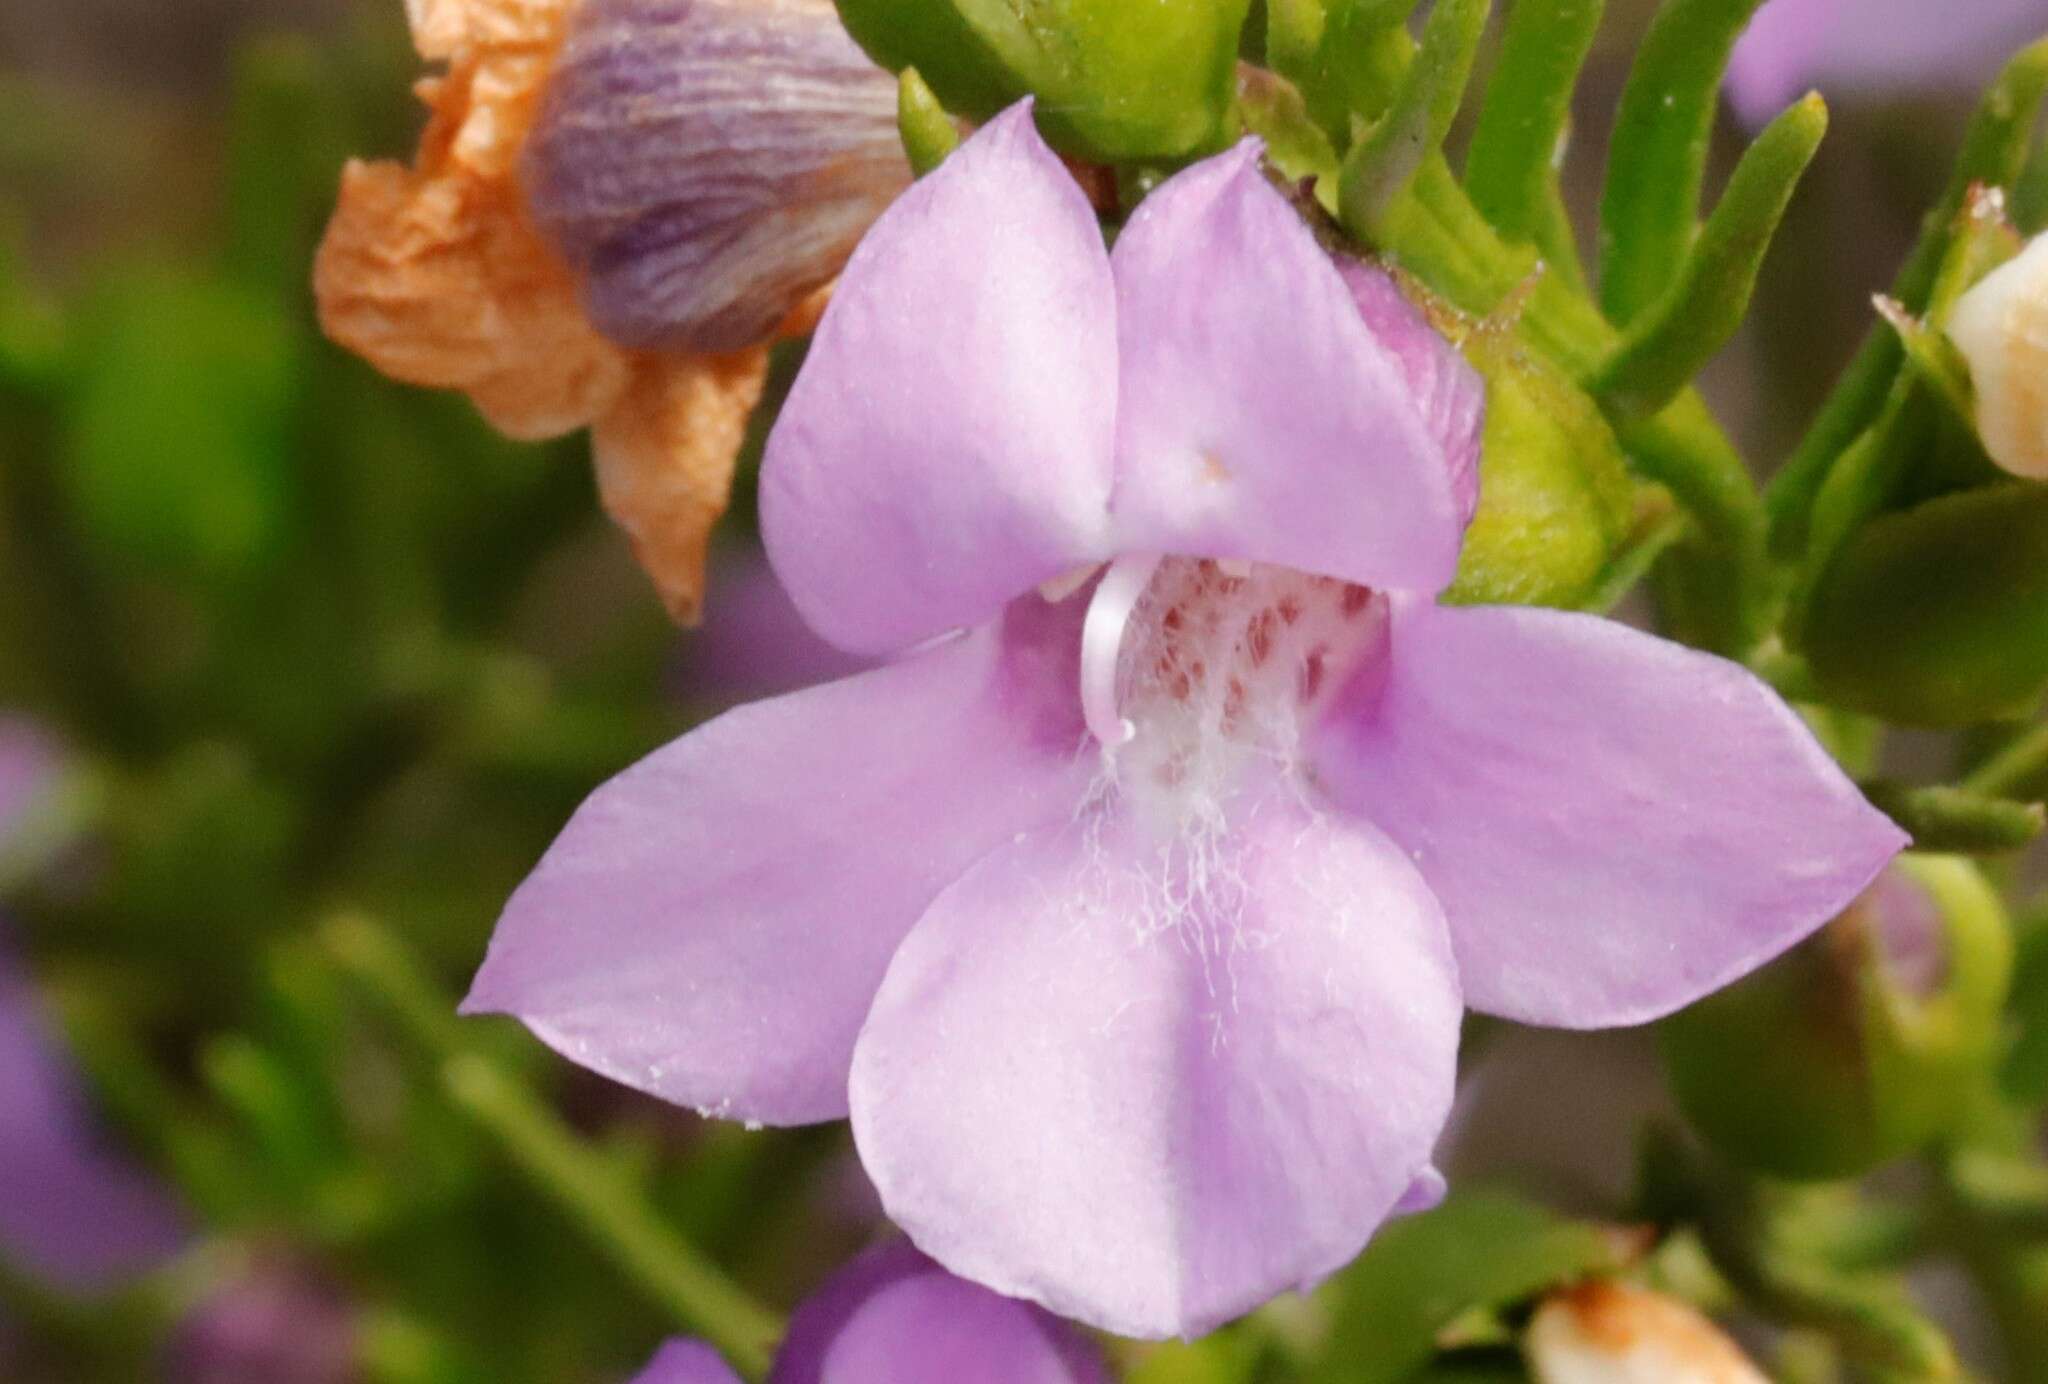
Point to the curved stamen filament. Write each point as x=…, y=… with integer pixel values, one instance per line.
x=1102, y=640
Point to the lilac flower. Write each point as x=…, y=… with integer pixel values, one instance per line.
x=895, y=1315
x=1134, y=925
x=271, y=1324
x=753, y=643
x=75, y=1214
x=1873, y=47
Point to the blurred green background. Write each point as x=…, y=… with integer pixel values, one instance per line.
x=333, y=662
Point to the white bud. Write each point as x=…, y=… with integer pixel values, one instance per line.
x=2001, y=327
x=1610, y=1333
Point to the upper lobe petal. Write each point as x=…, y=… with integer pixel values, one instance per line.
x=712, y=924
x=1259, y=416
x=1616, y=825
x=1151, y=1084
x=947, y=445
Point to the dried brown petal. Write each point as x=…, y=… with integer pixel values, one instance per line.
x=449, y=28
x=665, y=460
x=438, y=281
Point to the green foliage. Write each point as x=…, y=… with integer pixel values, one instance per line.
x=1113, y=80
x=1485, y=1251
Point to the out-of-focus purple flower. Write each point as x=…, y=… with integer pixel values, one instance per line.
x=1132, y=925
x=895, y=1315
x=753, y=643
x=71, y=1212
x=704, y=164
x=269, y=1325
x=1873, y=47
x=74, y=1213
x=29, y=762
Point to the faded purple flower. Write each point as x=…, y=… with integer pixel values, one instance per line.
x=29, y=762
x=272, y=1324
x=894, y=1315
x=752, y=642
x=1873, y=47
x=707, y=163
x=1134, y=924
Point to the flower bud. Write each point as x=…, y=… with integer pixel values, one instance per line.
x=2001, y=327
x=1611, y=1333
x=1856, y=1045
x=706, y=165
x=1116, y=81
x=1555, y=498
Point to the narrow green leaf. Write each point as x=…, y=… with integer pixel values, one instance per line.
x=928, y=133
x=1933, y=357
x=1379, y=171
x=1481, y=1249
x=1511, y=169
x=1669, y=344
x=1956, y=820
x=1659, y=150
x=1993, y=152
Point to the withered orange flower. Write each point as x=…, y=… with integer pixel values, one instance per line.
x=438, y=273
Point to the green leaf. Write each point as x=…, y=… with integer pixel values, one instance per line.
x=1479, y=1249
x=179, y=429
x=1658, y=155
x=1114, y=81
x=1511, y=168
x=1938, y=615
x=1942, y=818
x=1671, y=342
x=1379, y=171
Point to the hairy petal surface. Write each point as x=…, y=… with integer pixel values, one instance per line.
x=1150, y=1083
x=1616, y=825
x=1260, y=417
x=712, y=924
x=947, y=443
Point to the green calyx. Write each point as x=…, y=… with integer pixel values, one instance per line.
x=1878, y=1061
x=1556, y=502
x=1114, y=81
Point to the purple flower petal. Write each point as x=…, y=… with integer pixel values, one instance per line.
x=29, y=762
x=686, y=1362
x=74, y=1214
x=947, y=445
x=1876, y=47
x=712, y=924
x=894, y=1315
x=1259, y=416
x=1151, y=1082
x=1448, y=391
x=1616, y=825
x=753, y=643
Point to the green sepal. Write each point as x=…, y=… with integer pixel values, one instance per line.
x=1348, y=58
x=928, y=133
x=1379, y=170
x=1114, y=81
x=1274, y=110
x=1938, y=615
x=1556, y=502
